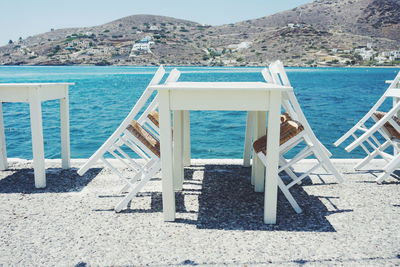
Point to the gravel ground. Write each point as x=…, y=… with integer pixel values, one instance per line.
x=219, y=220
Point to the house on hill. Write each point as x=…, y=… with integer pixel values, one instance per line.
x=153, y=28
x=142, y=47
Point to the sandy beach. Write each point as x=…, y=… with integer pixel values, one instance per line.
x=219, y=220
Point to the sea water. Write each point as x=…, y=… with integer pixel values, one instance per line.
x=333, y=99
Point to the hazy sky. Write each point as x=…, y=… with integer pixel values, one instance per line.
x=29, y=17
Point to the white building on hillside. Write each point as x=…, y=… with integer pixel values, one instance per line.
x=240, y=46
x=381, y=59
x=142, y=47
x=154, y=28
x=368, y=54
x=394, y=55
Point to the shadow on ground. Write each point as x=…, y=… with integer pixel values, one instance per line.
x=227, y=201
x=394, y=177
x=57, y=181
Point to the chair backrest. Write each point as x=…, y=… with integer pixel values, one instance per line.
x=292, y=106
x=172, y=77
x=125, y=123
x=278, y=73
x=395, y=84
x=267, y=75
x=388, y=117
x=144, y=119
x=289, y=101
x=392, y=91
x=141, y=101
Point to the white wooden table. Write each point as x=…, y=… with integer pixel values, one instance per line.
x=257, y=97
x=34, y=94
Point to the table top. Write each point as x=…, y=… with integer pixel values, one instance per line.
x=25, y=92
x=255, y=86
x=19, y=85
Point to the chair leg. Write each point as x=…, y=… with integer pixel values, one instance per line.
x=283, y=187
x=288, y=170
x=248, y=138
x=128, y=185
x=145, y=178
x=326, y=162
x=124, y=202
x=326, y=151
x=365, y=161
x=135, y=178
x=283, y=161
x=289, y=196
x=389, y=168
x=371, y=156
x=383, y=176
x=124, y=189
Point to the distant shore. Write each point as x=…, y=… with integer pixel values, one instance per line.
x=208, y=66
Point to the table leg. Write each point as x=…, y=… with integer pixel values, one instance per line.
x=186, y=138
x=65, y=138
x=168, y=194
x=259, y=168
x=248, y=138
x=177, y=137
x=35, y=107
x=271, y=176
x=254, y=155
x=3, y=146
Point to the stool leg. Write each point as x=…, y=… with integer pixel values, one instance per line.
x=3, y=150
x=35, y=106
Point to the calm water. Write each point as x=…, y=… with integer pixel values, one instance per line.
x=333, y=99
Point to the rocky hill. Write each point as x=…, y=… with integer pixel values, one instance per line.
x=375, y=18
x=324, y=32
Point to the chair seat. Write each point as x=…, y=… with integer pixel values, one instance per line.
x=394, y=134
x=289, y=129
x=154, y=117
x=145, y=137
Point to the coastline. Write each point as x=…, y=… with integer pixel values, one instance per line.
x=204, y=66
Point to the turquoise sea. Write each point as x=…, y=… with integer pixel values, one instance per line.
x=333, y=99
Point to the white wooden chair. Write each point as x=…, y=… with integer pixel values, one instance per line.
x=379, y=131
x=250, y=120
x=134, y=136
x=295, y=132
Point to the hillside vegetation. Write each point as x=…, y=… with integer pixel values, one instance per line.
x=324, y=32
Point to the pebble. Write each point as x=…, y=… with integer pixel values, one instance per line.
x=219, y=220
